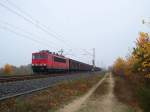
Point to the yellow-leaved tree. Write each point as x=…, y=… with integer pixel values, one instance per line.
x=142, y=55
x=119, y=66
x=8, y=69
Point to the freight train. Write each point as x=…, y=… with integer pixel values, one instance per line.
x=47, y=62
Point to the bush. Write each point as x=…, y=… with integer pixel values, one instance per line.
x=144, y=98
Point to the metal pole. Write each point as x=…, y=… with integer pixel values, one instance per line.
x=93, y=61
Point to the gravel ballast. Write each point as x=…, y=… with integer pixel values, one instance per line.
x=27, y=86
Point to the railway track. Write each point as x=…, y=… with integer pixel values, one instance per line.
x=4, y=79
x=15, y=78
x=17, y=88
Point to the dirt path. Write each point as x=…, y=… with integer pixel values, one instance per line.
x=100, y=103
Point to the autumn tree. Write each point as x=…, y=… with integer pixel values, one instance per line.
x=119, y=66
x=142, y=54
x=8, y=69
x=128, y=69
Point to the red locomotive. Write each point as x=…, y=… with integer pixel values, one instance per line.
x=45, y=61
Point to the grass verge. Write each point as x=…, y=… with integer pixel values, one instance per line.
x=126, y=93
x=50, y=99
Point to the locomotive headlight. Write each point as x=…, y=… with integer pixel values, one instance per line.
x=32, y=64
x=44, y=64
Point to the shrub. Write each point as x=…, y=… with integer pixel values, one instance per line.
x=144, y=98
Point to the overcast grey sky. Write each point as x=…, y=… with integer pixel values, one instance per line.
x=109, y=26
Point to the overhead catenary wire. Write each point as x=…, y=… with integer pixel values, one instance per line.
x=18, y=8
x=24, y=36
x=29, y=16
x=34, y=22
x=29, y=36
x=26, y=32
x=32, y=39
x=39, y=23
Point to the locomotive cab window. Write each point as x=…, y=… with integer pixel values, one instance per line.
x=39, y=56
x=56, y=59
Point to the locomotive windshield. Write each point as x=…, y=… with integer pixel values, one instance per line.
x=39, y=56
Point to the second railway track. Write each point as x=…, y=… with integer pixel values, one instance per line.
x=5, y=79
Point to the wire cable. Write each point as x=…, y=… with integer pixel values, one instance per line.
x=35, y=23
x=26, y=32
x=24, y=36
x=38, y=22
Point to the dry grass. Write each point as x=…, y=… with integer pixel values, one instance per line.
x=126, y=92
x=50, y=99
x=101, y=90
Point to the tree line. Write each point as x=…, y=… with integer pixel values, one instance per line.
x=13, y=70
x=137, y=64
x=135, y=68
